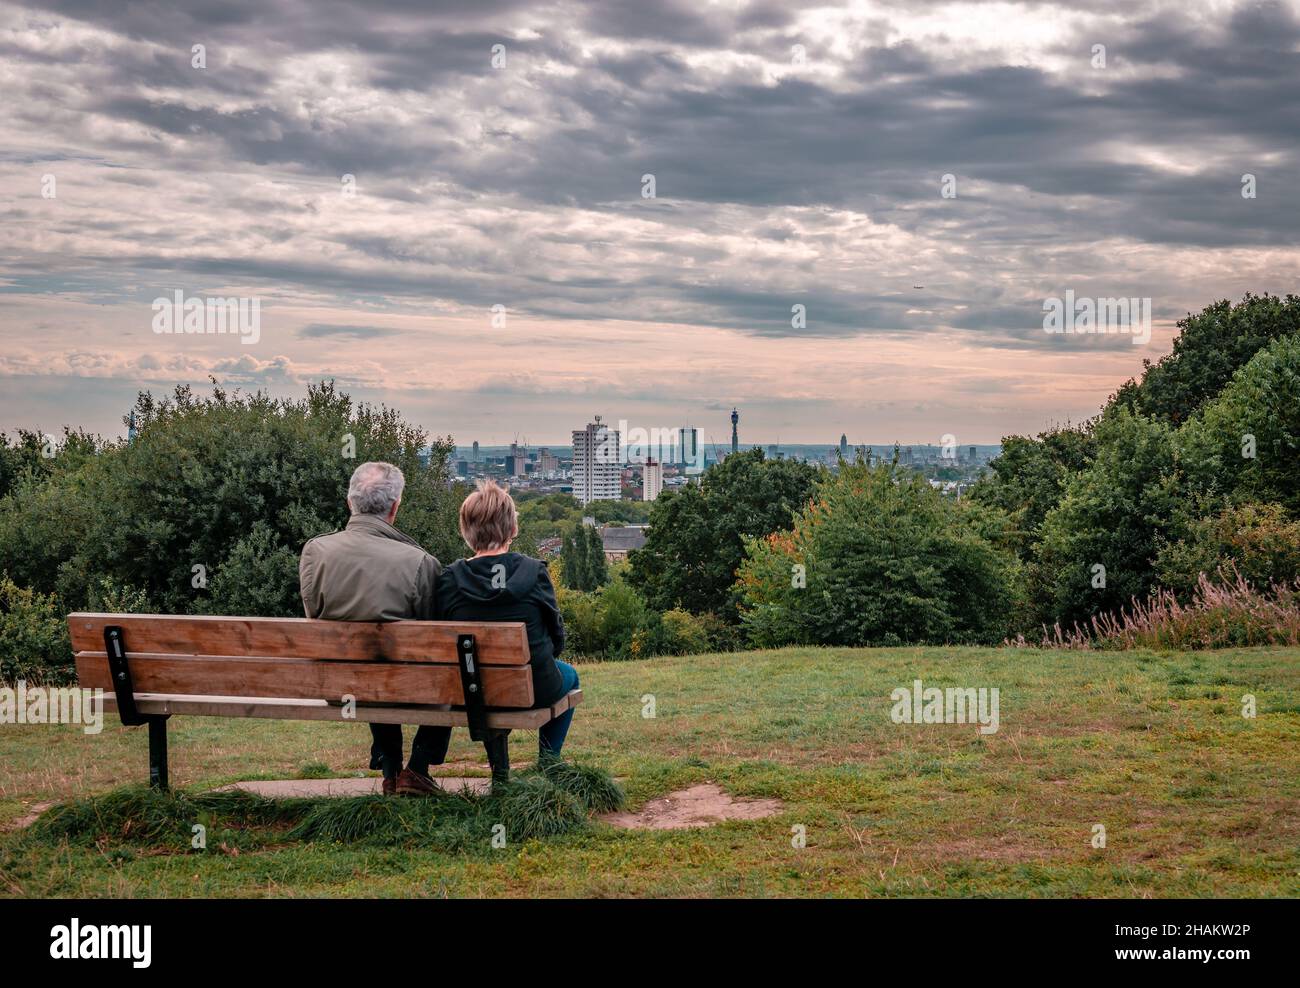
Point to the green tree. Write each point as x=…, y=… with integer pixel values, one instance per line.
x=1244, y=445
x=582, y=559
x=597, y=567
x=572, y=562
x=1211, y=346
x=1028, y=478
x=696, y=539
x=879, y=557
x=231, y=484
x=1114, y=515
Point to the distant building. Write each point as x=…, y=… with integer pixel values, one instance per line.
x=475, y=450
x=547, y=463
x=597, y=463
x=515, y=460
x=652, y=479
x=735, y=438
x=619, y=540
x=844, y=445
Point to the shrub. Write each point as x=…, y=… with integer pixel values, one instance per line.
x=684, y=633
x=1258, y=541
x=583, y=626
x=615, y=622
x=112, y=597
x=34, y=643
x=623, y=614
x=258, y=578
x=879, y=558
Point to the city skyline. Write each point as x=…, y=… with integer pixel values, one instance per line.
x=498, y=217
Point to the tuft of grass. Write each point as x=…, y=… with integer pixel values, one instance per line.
x=141, y=815
x=536, y=804
x=593, y=787
x=378, y=820
x=315, y=770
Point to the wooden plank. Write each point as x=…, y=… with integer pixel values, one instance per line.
x=284, y=709
x=566, y=702
x=311, y=679
x=499, y=643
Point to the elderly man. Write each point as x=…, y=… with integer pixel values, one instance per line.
x=372, y=572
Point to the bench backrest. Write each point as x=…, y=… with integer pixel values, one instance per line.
x=398, y=662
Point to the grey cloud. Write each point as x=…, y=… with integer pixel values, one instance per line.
x=319, y=330
x=1046, y=167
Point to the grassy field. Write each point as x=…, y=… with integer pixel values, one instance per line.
x=1196, y=799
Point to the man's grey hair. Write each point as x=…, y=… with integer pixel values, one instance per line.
x=375, y=488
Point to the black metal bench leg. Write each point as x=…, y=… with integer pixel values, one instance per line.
x=158, y=752
x=497, y=745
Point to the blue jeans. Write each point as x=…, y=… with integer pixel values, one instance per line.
x=550, y=739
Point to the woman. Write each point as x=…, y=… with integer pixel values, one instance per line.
x=499, y=585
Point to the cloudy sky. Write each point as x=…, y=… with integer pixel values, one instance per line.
x=797, y=153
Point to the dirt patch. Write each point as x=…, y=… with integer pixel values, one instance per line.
x=27, y=819
x=699, y=806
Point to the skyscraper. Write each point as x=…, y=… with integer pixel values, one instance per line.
x=735, y=439
x=652, y=479
x=597, y=463
x=475, y=450
x=844, y=445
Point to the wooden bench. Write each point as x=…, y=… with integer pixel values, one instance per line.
x=155, y=666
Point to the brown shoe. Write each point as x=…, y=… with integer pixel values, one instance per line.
x=412, y=783
x=389, y=788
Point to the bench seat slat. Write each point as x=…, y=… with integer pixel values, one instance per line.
x=374, y=682
x=221, y=657
x=499, y=643
x=281, y=708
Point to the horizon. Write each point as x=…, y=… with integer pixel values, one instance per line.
x=502, y=218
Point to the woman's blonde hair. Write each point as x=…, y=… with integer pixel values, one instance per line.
x=488, y=518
